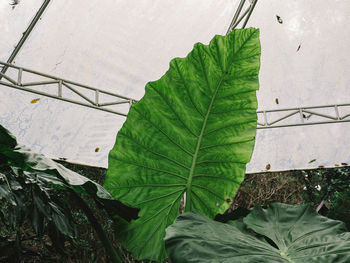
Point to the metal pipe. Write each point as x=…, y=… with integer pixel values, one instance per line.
x=305, y=108
x=39, y=83
x=302, y=124
x=238, y=11
x=97, y=97
x=8, y=78
x=240, y=19
x=321, y=115
x=114, y=103
x=25, y=35
x=19, y=78
x=284, y=117
x=60, y=98
x=66, y=81
x=337, y=112
x=345, y=116
x=60, y=89
x=78, y=93
x=265, y=119
x=301, y=115
x=250, y=13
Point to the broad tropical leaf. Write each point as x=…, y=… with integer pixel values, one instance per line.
x=46, y=170
x=280, y=233
x=192, y=133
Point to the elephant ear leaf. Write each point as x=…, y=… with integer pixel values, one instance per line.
x=280, y=233
x=192, y=133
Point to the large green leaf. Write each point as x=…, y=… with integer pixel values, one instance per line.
x=46, y=170
x=192, y=133
x=280, y=233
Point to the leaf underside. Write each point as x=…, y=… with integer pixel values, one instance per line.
x=280, y=233
x=192, y=133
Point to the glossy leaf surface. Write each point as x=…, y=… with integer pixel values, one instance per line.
x=192, y=133
x=280, y=233
x=46, y=170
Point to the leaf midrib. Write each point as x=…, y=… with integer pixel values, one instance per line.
x=188, y=205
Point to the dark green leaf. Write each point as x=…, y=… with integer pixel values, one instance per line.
x=37, y=221
x=280, y=233
x=6, y=139
x=5, y=193
x=41, y=206
x=238, y=213
x=22, y=157
x=63, y=224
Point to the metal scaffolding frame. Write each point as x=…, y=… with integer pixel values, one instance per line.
x=86, y=96
x=101, y=100
x=305, y=116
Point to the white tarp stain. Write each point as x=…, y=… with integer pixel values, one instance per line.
x=121, y=45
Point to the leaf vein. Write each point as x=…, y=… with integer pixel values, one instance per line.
x=208, y=190
x=227, y=126
x=151, y=168
x=186, y=88
x=226, y=144
x=166, y=135
x=155, y=153
x=177, y=116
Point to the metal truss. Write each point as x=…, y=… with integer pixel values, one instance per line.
x=103, y=100
x=96, y=99
x=313, y=115
x=63, y=89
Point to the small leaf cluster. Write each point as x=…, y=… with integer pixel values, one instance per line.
x=27, y=196
x=331, y=186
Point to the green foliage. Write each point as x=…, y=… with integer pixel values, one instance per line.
x=192, y=133
x=324, y=184
x=28, y=196
x=331, y=186
x=280, y=233
x=58, y=176
x=340, y=207
x=28, y=190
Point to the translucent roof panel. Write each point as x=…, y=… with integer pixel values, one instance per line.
x=113, y=45
x=305, y=62
x=305, y=59
x=121, y=45
x=14, y=20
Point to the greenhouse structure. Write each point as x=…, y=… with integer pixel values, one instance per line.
x=128, y=126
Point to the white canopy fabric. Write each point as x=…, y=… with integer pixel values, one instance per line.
x=119, y=46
